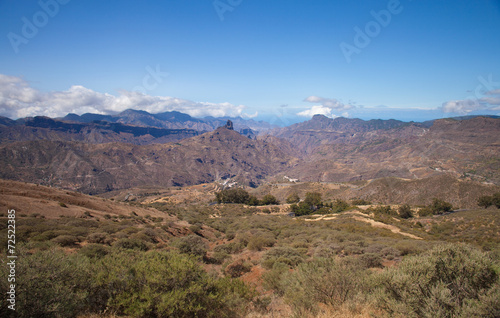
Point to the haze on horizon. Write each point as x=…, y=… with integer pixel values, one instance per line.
x=280, y=61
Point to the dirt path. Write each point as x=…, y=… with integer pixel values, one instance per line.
x=363, y=218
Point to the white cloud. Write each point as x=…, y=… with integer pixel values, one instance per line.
x=18, y=99
x=317, y=110
x=331, y=103
x=327, y=107
x=461, y=106
x=491, y=100
x=493, y=92
x=250, y=116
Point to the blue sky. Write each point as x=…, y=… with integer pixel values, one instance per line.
x=282, y=61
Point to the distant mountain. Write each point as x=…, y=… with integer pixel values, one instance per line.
x=171, y=120
x=99, y=156
x=309, y=135
x=341, y=150
x=96, y=131
x=4, y=121
x=97, y=168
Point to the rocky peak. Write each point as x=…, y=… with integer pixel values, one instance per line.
x=229, y=125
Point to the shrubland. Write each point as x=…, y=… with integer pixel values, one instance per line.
x=232, y=260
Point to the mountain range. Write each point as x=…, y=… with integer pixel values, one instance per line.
x=95, y=153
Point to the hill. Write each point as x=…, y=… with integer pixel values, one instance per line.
x=96, y=131
x=169, y=120
x=96, y=168
x=342, y=150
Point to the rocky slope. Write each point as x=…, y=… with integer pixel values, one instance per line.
x=96, y=168
x=344, y=150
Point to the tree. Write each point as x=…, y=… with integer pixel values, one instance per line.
x=232, y=196
x=293, y=198
x=269, y=199
x=405, y=211
x=489, y=200
x=302, y=208
x=252, y=200
x=313, y=199
x=439, y=206
x=485, y=201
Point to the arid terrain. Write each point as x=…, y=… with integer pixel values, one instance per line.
x=320, y=219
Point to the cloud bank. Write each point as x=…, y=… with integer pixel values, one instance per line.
x=18, y=99
x=489, y=102
x=327, y=107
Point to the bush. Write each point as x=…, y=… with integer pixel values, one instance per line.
x=303, y=208
x=219, y=257
x=238, y=268
x=487, y=200
x=339, y=205
x=439, y=206
x=229, y=248
x=191, y=244
x=131, y=244
x=285, y=255
x=99, y=237
x=405, y=211
x=324, y=280
x=259, y=242
x=269, y=199
x=253, y=201
x=293, y=198
x=232, y=196
x=383, y=210
x=439, y=283
x=160, y=284
x=49, y=284
x=360, y=202
x=65, y=240
x=313, y=199
x=94, y=251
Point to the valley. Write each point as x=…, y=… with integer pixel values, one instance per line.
x=304, y=220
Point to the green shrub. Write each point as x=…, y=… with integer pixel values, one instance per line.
x=323, y=280
x=405, y=211
x=339, y=205
x=160, y=284
x=191, y=244
x=49, y=283
x=94, y=251
x=489, y=200
x=436, y=207
x=218, y=257
x=313, y=199
x=232, y=196
x=253, y=201
x=99, y=238
x=360, y=202
x=438, y=283
x=131, y=244
x=269, y=199
x=293, y=198
x=238, y=268
x=303, y=208
x=65, y=240
x=275, y=279
x=285, y=255
x=229, y=248
x=259, y=242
